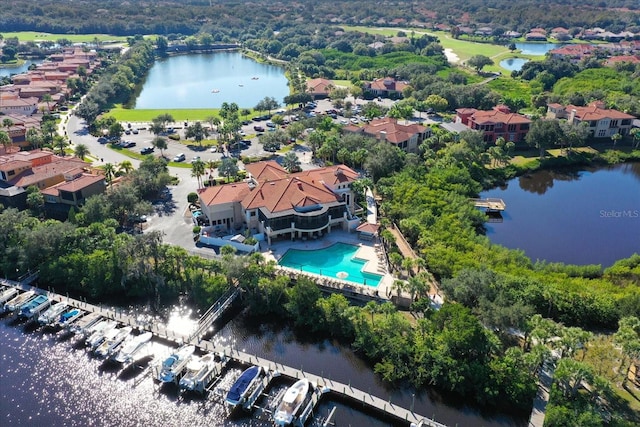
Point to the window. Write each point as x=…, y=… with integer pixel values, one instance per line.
x=613, y=124
x=601, y=133
x=11, y=173
x=512, y=128
x=253, y=213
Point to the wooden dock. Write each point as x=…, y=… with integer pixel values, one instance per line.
x=491, y=205
x=328, y=386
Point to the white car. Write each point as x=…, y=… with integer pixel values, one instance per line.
x=195, y=159
x=213, y=149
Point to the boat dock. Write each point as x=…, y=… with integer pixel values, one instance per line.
x=490, y=204
x=327, y=386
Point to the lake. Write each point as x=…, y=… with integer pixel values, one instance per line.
x=572, y=216
x=513, y=64
x=7, y=71
x=536, y=48
x=207, y=80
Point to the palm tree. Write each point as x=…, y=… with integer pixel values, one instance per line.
x=197, y=132
x=81, y=151
x=291, y=162
x=47, y=98
x=160, y=143
x=198, y=170
x=34, y=138
x=635, y=133
x=109, y=173
x=125, y=167
x=60, y=142
x=156, y=127
x=214, y=122
x=615, y=138
x=372, y=308
x=48, y=128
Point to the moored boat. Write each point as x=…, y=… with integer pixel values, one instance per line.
x=66, y=319
x=198, y=373
x=131, y=348
x=52, y=313
x=111, y=343
x=32, y=308
x=83, y=325
x=98, y=332
x=15, y=303
x=291, y=403
x=173, y=365
x=6, y=295
x=241, y=387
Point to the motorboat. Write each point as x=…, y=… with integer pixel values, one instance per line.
x=111, y=343
x=98, y=331
x=66, y=319
x=255, y=78
x=242, y=386
x=85, y=323
x=198, y=373
x=291, y=402
x=215, y=91
x=16, y=302
x=52, y=313
x=131, y=347
x=175, y=363
x=7, y=294
x=34, y=307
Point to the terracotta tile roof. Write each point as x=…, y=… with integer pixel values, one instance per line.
x=20, y=102
x=395, y=133
x=554, y=105
x=495, y=116
x=368, y=228
x=330, y=175
x=595, y=112
x=319, y=86
x=224, y=193
x=58, y=167
x=287, y=194
x=465, y=111
x=266, y=171
x=14, y=164
x=388, y=84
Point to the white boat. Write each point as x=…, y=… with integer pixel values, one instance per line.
x=198, y=373
x=16, y=302
x=110, y=344
x=66, y=319
x=52, y=313
x=7, y=294
x=83, y=325
x=131, y=347
x=291, y=403
x=98, y=331
x=241, y=387
x=34, y=307
x=215, y=91
x=174, y=364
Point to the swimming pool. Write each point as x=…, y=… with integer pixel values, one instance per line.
x=336, y=261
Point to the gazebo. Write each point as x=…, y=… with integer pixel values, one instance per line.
x=367, y=231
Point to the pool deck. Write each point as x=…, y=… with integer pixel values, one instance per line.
x=368, y=251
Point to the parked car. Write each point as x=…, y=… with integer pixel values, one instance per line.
x=214, y=149
x=147, y=150
x=128, y=144
x=258, y=128
x=195, y=159
x=180, y=158
x=103, y=140
x=127, y=132
x=270, y=124
x=134, y=131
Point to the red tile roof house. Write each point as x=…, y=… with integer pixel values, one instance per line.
x=499, y=122
x=407, y=137
x=74, y=191
x=574, y=52
x=319, y=88
x=603, y=122
x=277, y=204
x=387, y=87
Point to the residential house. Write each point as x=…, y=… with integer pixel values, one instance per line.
x=319, y=88
x=631, y=59
x=572, y=52
x=603, y=122
x=277, y=204
x=407, y=137
x=535, y=36
x=387, y=87
x=76, y=188
x=12, y=103
x=495, y=123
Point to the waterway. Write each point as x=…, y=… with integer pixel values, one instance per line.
x=527, y=48
x=207, y=80
x=48, y=379
x=580, y=217
x=8, y=71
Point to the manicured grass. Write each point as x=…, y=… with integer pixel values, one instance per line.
x=190, y=114
x=343, y=83
x=26, y=36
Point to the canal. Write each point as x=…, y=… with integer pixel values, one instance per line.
x=50, y=379
x=207, y=80
x=589, y=216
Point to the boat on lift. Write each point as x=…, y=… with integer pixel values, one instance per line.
x=15, y=303
x=98, y=333
x=66, y=319
x=130, y=349
x=52, y=313
x=6, y=295
x=85, y=323
x=242, y=386
x=199, y=372
x=34, y=307
x=291, y=403
x=173, y=365
x=111, y=343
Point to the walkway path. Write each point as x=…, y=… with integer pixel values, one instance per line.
x=542, y=398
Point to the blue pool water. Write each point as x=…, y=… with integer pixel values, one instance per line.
x=334, y=262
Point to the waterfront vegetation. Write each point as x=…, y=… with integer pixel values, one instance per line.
x=468, y=348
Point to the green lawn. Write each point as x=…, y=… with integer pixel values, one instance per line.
x=26, y=36
x=190, y=114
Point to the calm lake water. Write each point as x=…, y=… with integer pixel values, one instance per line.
x=7, y=71
x=576, y=217
x=187, y=81
x=536, y=48
x=52, y=380
x=513, y=64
